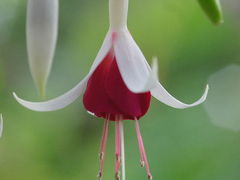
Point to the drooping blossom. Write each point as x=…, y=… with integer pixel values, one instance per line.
x=41, y=32
x=118, y=87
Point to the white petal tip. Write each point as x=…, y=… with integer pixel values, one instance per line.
x=18, y=99
x=1, y=125
x=204, y=96
x=201, y=100
x=162, y=95
x=56, y=103
x=45, y=106
x=91, y=113
x=42, y=89
x=14, y=95
x=154, y=59
x=21, y=101
x=34, y=106
x=206, y=92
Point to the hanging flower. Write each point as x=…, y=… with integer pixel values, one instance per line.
x=118, y=86
x=1, y=125
x=42, y=25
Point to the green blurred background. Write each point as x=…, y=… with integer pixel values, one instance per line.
x=63, y=145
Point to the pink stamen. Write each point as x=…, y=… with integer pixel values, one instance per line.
x=117, y=149
x=103, y=147
x=143, y=156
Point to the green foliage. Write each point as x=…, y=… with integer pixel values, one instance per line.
x=213, y=10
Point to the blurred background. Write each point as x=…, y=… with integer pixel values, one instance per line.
x=190, y=144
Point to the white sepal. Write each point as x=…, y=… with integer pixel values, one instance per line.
x=132, y=64
x=41, y=32
x=1, y=125
x=70, y=96
x=57, y=103
x=104, y=50
x=162, y=95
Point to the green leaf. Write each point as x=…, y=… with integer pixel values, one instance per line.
x=213, y=10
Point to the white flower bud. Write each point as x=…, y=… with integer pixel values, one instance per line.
x=42, y=28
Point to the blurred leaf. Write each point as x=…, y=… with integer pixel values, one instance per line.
x=213, y=10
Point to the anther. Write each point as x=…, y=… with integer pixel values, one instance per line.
x=101, y=156
x=100, y=176
x=117, y=176
x=143, y=155
x=142, y=164
x=118, y=158
x=150, y=177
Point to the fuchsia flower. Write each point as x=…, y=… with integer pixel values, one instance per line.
x=118, y=87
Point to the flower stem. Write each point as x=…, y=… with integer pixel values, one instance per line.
x=122, y=151
x=118, y=12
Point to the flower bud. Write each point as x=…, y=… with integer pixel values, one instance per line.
x=42, y=25
x=213, y=10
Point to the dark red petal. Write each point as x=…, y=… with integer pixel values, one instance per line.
x=106, y=94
